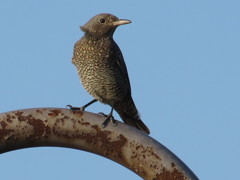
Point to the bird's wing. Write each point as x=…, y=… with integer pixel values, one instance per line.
x=122, y=66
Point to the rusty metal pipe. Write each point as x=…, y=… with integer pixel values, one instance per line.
x=82, y=130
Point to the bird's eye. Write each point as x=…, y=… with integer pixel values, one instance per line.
x=102, y=21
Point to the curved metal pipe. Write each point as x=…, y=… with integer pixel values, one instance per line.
x=82, y=130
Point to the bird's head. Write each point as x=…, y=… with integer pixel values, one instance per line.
x=103, y=25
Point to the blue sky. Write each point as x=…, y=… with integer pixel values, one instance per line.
x=183, y=59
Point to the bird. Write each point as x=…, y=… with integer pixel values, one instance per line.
x=102, y=69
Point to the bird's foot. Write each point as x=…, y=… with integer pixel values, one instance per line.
x=108, y=119
x=81, y=108
x=102, y=114
x=75, y=108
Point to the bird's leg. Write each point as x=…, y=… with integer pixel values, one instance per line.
x=109, y=118
x=88, y=104
x=83, y=107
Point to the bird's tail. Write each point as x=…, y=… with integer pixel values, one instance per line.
x=129, y=114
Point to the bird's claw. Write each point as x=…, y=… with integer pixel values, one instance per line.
x=75, y=108
x=114, y=122
x=102, y=114
x=108, y=119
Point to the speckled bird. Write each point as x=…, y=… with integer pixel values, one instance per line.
x=102, y=70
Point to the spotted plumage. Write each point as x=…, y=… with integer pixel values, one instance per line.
x=102, y=70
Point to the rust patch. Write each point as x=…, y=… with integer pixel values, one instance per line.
x=54, y=112
x=9, y=120
x=39, y=128
x=96, y=127
x=77, y=112
x=145, y=150
x=101, y=140
x=154, y=154
x=85, y=123
x=168, y=175
x=139, y=157
x=20, y=116
x=39, y=111
x=4, y=132
x=3, y=124
x=109, y=147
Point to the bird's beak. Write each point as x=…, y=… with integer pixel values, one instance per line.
x=121, y=22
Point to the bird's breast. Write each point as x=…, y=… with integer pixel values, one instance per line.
x=98, y=71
